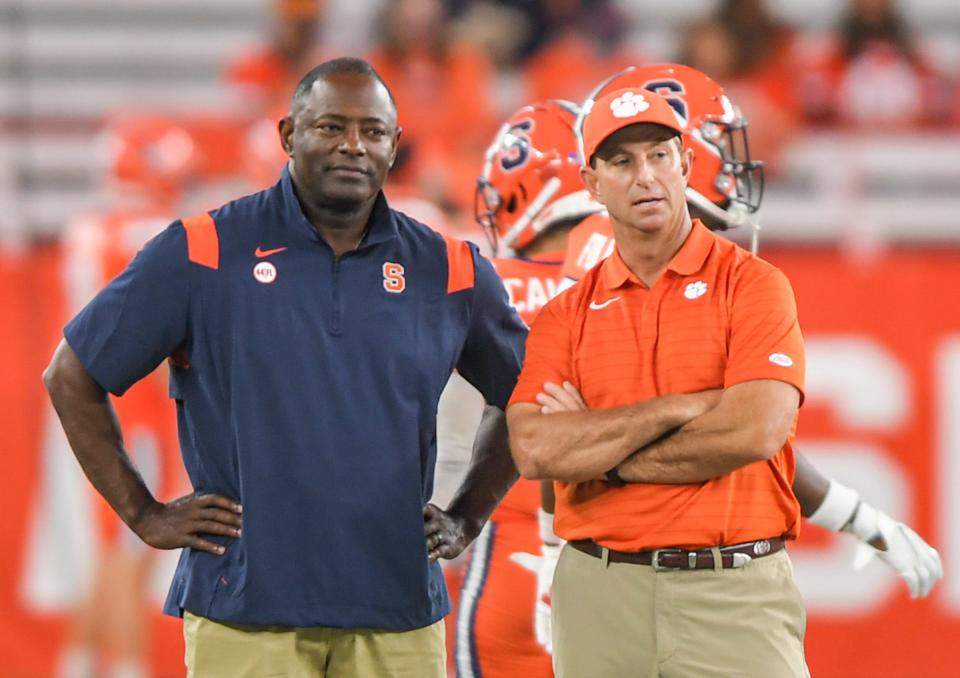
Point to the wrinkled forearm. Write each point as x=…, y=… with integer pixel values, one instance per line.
x=92, y=429
x=719, y=441
x=490, y=475
x=583, y=445
x=687, y=456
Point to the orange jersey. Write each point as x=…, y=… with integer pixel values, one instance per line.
x=590, y=242
x=530, y=285
x=100, y=246
x=718, y=316
x=495, y=637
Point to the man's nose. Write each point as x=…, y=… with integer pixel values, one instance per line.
x=644, y=174
x=352, y=141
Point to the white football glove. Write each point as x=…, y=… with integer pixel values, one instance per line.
x=543, y=566
x=891, y=541
x=898, y=546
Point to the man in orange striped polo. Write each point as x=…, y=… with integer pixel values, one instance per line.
x=661, y=392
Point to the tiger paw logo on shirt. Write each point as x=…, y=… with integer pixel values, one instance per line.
x=695, y=289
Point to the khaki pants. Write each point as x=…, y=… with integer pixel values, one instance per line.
x=621, y=620
x=216, y=650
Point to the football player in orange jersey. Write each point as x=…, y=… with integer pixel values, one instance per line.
x=527, y=199
x=151, y=157
x=724, y=191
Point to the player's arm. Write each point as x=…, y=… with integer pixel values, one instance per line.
x=575, y=446
x=751, y=423
x=458, y=418
x=810, y=488
x=836, y=507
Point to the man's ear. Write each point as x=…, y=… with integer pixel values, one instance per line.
x=686, y=163
x=285, y=130
x=588, y=176
x=396, y=145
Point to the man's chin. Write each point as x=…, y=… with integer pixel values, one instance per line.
x=646, y=224
x=346, y=198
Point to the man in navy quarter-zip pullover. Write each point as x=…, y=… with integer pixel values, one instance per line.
x=310, y=331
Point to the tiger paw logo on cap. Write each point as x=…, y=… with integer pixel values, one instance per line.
x=629, y=104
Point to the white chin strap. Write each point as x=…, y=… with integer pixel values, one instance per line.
x=735, y=217
x=573, y=205
x=533, y=209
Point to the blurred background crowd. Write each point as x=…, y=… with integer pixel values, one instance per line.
x=187, y=94
x=118, y=116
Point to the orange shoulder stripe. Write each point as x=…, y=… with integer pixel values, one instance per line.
x=203, y=244
x=461, y=275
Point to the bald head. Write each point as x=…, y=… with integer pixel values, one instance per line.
x=332, y=68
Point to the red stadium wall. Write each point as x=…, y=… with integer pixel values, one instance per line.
x=884, y=334
x=884, y=341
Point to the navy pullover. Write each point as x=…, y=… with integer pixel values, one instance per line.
x=306, y=387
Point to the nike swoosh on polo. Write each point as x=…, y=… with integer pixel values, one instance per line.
x=259, y=253
x=594, y=306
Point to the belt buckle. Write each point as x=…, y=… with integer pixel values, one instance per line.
x=655, y=561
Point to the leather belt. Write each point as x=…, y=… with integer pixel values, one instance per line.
x=736, y=555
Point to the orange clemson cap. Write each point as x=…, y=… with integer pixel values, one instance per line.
x=622, y=108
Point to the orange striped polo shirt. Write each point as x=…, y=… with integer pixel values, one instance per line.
x=716, y=317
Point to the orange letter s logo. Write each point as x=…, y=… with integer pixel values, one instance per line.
x=393, y=280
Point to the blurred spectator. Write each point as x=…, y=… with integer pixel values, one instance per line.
x=750, y=54
x=581, y=44
x=495, y=28
x=443, y=88
x=873, y=75
x=763, y=43
x=361, y=18
x=499, y=31
x=270, y=71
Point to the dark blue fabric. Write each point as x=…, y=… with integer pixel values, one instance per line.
x=311, y=399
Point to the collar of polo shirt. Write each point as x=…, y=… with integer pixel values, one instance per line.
x=687, y=261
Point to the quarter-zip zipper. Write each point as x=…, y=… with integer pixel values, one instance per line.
x=335, y=326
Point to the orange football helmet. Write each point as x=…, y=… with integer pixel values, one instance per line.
x=726, y=183
x=150, y=155
x=531, y=176
x=158, y=157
